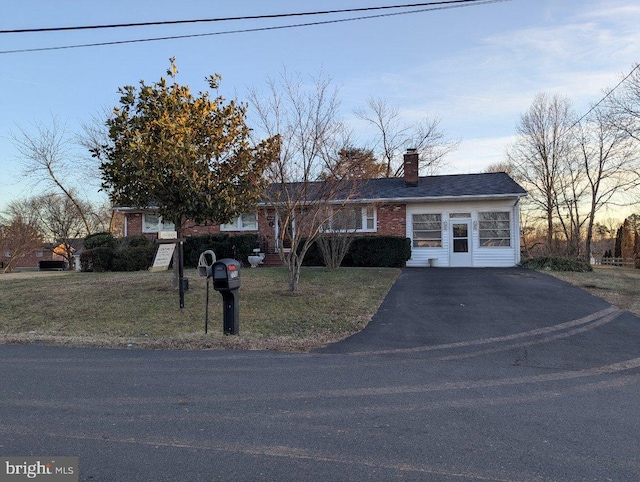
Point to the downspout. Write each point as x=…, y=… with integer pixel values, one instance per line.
x=516, y=215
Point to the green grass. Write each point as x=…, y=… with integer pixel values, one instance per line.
x=142, y=309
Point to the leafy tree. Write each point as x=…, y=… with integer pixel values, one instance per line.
x=354, y=163
x=187, y=155
x=624, y=247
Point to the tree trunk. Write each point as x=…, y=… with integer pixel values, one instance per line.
x=550, y=229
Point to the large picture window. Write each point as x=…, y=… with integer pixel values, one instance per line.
x=244, y=222
x=494, y=229
x=427, y=230
x=152, y=223
x=353, y=218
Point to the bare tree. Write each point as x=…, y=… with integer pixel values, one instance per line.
x=540, y=153
x=19, y=233
x=305, y=116
x=394, y=137
x=61, y=223
x=47, y=154
x=623, y=104
x=501, y=166
x=609, y=162
x=569, y=193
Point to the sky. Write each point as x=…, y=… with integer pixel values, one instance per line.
x=476, y=68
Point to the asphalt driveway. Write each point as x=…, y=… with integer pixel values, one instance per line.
x=435, y=306
x=486, y=374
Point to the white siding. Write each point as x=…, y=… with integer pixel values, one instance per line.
x=481, y=256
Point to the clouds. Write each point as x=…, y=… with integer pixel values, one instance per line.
x=481, y=90
x=477, y=69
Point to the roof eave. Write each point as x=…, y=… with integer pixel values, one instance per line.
x=421, y=199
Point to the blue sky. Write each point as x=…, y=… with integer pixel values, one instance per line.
x=476, y=68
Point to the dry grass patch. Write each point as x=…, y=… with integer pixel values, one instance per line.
x=618, y=286
x=141, y=309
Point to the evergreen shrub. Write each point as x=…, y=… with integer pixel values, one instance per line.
x=134, y=258
x=553, y=263
x=100, y=240
x=98, y=259
x=368, y=251
x=224, y=246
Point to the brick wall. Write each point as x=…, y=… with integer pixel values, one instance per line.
x=392, y=220
x=32, y=259
x=133, y=223
x=266, y=229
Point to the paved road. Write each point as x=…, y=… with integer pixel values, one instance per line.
x=462, y=375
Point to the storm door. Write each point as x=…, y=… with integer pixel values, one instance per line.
x=460, y=243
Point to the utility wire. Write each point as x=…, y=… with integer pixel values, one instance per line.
x=595, y=106
x=250, y=17
x=459, y=4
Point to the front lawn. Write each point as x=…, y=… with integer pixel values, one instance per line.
x=618, y=286
x=142, y=309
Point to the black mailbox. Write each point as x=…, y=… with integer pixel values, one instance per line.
x=226, y=275
x=226, y=280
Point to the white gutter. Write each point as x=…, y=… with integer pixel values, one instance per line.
x=473, y=197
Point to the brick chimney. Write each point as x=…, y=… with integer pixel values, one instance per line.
x=411, y=168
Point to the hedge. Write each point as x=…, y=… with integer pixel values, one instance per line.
x=224, y=246
x=368, y=251
x=135, y=258
x=97, y=259
x=103, y=252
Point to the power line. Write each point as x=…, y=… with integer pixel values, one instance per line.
x=595, y=106
x=250, y=17
x=449, y=5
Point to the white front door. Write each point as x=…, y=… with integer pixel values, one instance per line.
x=460, y=245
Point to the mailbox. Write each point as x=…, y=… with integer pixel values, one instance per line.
x=226, y=275
x=226, y=280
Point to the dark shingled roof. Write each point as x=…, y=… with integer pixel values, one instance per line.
x=429, y=188
x=450, y=186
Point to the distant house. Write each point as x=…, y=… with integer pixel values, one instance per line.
x=32, y=259
x=463, y=220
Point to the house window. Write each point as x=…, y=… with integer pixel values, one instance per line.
x=427, y=230
x=39, y=254
x=494, y=229
x=244, y=222
x=459, y=215
x=7, y=254
x=152, y=223
x=360, y=219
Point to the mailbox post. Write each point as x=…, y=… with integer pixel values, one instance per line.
x=205, y=263
x=226, y=280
